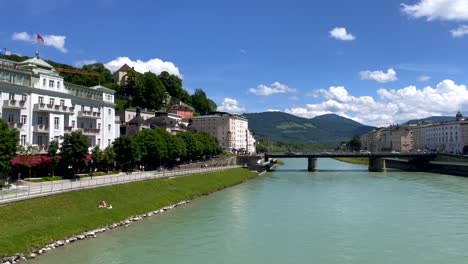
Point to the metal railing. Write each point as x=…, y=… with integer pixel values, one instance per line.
x=32, y=190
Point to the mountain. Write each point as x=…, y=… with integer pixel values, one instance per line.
x=328, y=129
x=431, y=119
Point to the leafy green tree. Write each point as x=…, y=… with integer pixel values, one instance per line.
x=173, y=85
x=8, y=145
x=96, y=155
x=153, y=90
x=106, y=75
x=108, y=157
x=209, y=144
x=28, y=155
x=201, y=103
x=74, y=150
x=355, y=143
x=193, y=147
x=52, y=153
x=152, y=146
x=126, y=152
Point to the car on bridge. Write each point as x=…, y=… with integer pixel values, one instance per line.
x=363, y=151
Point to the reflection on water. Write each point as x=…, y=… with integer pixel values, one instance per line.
x=339, y=214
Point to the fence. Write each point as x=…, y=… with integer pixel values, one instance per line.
x=32, y=190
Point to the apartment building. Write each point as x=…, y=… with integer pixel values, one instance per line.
x=35, y=100
x=231, y=130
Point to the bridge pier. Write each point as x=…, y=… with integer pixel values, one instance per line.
x=312, y=164
x=376, y=164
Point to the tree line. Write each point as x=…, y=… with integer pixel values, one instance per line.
x=150, y=148
x=144, y=90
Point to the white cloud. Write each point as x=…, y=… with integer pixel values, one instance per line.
x=341, y=34
x=460, y=31
x=379, y=76
x=55, y=41
x=455, y=10
x=81, y=63
x=231, y=105
x=392, y=106
x=153, y=65
x=424, y=78
x=273, y=110
x=274, y=88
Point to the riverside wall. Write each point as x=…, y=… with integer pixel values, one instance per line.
x=445, y=164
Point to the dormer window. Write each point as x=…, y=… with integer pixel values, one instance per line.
x=58, y=84
x=44, y=82
x=51, y=83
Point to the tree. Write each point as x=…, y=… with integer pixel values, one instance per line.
x=8, y=141
x=52, y=153
x=74, y=150
x=355, y=143
x=173, y=86
x=126, y=151
x=28, y=155
x=153, y=90
x=201, y=103
x=108, y=157
x=152, y=146
x=96, y=155
x=193, y=147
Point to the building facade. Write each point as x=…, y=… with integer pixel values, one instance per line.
x=35, y=100
x=231, y=131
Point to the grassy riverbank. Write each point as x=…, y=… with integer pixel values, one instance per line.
x=33, y=223
x=363, y=161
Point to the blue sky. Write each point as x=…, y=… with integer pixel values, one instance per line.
x=378, y=62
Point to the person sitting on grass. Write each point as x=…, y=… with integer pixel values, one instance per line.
x=110, y=206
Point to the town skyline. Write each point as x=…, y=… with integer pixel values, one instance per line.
x=376, y=63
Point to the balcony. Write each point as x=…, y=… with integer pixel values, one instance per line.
x=53, y=108
x=41, y=128
x=15, y=125
x=89, y=114
x=89, y=131
x=14, y=104
x=67, y=128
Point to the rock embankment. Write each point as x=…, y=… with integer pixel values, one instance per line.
x=19, y=257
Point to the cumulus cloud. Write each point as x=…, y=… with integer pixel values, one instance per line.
x=379, y=76
x=424, y=78
x=153, y=65
x=460, y=31
x=81, y=63
x=230, y=105
x=274, y=88
x=55, y=41
x=455, y=10
x=341, y=33
x=392, y=106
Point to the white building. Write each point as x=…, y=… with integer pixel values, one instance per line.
x=448, y=137
x=231, y=130
x=35, y=100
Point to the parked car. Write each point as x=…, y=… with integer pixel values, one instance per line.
x=363, y=151
x=395, y=152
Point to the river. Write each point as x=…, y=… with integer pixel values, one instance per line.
x=340, y=214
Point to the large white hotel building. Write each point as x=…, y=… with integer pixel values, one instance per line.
x=35, y=100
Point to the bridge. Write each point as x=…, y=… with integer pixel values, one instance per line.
x=376, y=159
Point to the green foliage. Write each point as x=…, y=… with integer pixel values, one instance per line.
x=173, y=86
x=327, y=129
x=126, y=151
x=279, y=146
x=74, y=150
x=8, y=142
x=354, y=144
x=33, y=223
x=108, y=157
x=50, y=178
x=52, y=153
x=152, y=146
x=201, y=103
x=28, y=152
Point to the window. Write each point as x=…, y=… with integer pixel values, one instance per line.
x=24, y=97
x=51, y=83
x=11, y=96
x=99, y=126
x=39, y=140
x=23, y=140
x=73, y=123
x=108, y=142
x=44, y=82
x=109, y=111
x=41, y=99
x=56, y=138
x=62, y=102
x=109, y=127
x=82, y=108
x=11, y=117
x=51, y=101
x=99, y=142
x=56, y=122
x=58, y=84
x=23, y=119
x=40, y=120
x=82, y=124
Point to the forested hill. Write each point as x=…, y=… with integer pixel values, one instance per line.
x=431, y=119
x=327, y=129
x=145, y=90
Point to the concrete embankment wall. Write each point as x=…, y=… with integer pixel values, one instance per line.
x=446, y=164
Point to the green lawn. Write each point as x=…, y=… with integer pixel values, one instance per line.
x=33, y=223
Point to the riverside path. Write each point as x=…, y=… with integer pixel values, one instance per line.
x=33, y=190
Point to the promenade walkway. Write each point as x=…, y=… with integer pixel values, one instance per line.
x=33, y=190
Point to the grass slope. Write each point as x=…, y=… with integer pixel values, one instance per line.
x=363, y=161
x=33, y=223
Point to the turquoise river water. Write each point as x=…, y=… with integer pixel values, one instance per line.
x=340, y=214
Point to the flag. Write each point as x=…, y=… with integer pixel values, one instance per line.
x=40, y=39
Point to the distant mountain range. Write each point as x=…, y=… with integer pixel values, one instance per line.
x=431, y=119
x=328, y=129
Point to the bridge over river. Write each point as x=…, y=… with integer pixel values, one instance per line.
x=376, y=159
